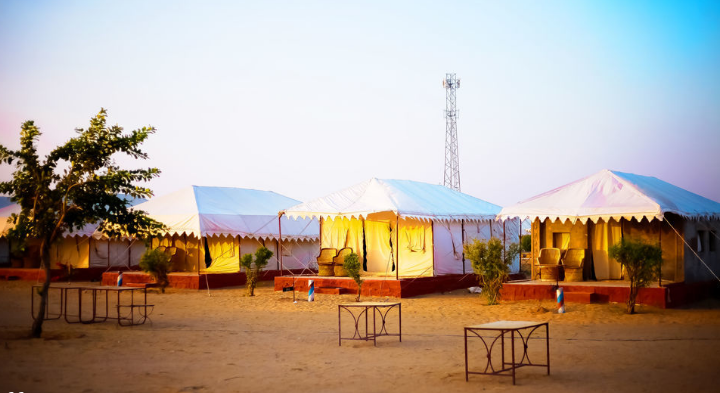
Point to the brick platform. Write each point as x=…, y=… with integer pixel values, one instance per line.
x=389, y=286
x=667, y=296
x=187, y=280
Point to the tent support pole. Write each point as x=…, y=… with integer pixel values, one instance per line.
x=504, y=238
x=462, y=239
x=200, y=246
x=432, y=229
x=397, y=248
x=239, y=255
x=280, y=254
x=657, y=224
x=186, y=249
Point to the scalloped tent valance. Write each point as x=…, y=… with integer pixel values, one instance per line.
x=611, y=194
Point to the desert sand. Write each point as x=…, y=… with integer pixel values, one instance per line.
x=225, y=341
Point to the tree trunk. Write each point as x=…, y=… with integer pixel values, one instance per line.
x=40, y=316
x=632, y=298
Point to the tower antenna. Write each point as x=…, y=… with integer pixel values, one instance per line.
x=452, y=162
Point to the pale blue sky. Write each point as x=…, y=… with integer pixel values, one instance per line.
x=306, y=97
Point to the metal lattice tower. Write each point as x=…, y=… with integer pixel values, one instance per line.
x=452, y=162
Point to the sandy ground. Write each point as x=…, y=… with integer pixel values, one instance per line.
x=227, y=342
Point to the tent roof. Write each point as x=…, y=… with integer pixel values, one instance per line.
x=611, y=194
x=403, y=197
x=203, y=211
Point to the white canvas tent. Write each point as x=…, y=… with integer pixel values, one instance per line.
x=82, y=248
x=599, y=210
x=233, y=222
x=429, y=223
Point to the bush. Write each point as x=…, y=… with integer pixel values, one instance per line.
x=252, y=269
x=641, y=262
x=351, y=264
x=526, y=243
x=157, y=263
x=491, y=264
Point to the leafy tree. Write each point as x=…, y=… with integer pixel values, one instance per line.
x=526, y=243
x=252, y=269
x=76, y=184
x=641, y=262
x=157, y=263
x=492, y=264
x=351, y=264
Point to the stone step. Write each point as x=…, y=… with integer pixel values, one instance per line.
x=331, y=290
x=581, y=297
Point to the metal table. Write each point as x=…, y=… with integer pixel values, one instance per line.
x=125, y=312
x=502, y=328
x=378, y=308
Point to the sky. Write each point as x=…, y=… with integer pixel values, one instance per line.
x=305, y=98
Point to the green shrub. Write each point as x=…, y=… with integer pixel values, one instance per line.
x=491, y=264
x=352, y=266
x=641, y=262
x=526, y=243
x=252, y=269
x=157, y=263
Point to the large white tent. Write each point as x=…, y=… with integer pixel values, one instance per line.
x=598, y=210
x=233, y=221
x=83, y=248
x=433, y=222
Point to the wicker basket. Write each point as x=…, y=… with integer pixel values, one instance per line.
x=325, y=269
x=573, y=275
x=340, y=271
x=549, y=273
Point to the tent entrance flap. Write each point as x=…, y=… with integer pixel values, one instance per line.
x=378, y=246
x=415, y=260
x=605, y=235
x=223, y=253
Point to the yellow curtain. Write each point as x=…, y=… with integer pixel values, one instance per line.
x=377, y=244
x=606, y=235
x=341, y=232
x=224, y=253
x=415, y=263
